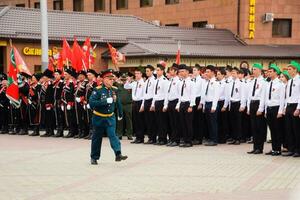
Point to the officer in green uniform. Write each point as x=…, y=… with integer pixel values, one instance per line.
x=126, y=100
x=103, y=102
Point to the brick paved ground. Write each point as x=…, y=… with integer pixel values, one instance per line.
x=33, y=168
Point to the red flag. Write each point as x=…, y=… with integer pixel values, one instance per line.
x=60, y=62
x=51, y=64
x=87, y=51
x=178, y=54
x=78, y=57
x=116, y=56
x=20, y=64
x=12, y=91
x=66, y=52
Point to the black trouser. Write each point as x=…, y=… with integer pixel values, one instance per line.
x=4, y=116
x=274, y=125
x=138, y=120
x=212, y=122
x=292, y=129
x=24, y=116
x=174, y=120
x=222, y=123
x=235, y=120
x=246, y=127
x=72, y=123
x=198, y=117
x=49, y=120
x=83, y=126
x=149, y=120
x=257, y=126
x=186, y=122
x=160, y=121
x=59, y=116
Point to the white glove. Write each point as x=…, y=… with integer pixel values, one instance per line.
x=48, y=108
x=68, y=107
x=88, y=106
x=29, y=102
x=120, y=118
x=109, y=100
x=62, y=108
x=78, y=99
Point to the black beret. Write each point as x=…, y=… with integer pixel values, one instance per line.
x=182, y=66
x=3, y=76
x=38, y=76
x=71, y=72
x=82, y=72
x=48, y=73
x=92, y=72
x=58, y=71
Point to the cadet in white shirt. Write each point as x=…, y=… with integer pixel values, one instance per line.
x=137, y=93
x=222, y=113
x=198, y=115
x=256, y=109
x=160, y=101
x=173, y=96
x=274, y=105
x=210, y=102
x=185, y=106
x=146, y=105
x=292, y=107
x=236, y=100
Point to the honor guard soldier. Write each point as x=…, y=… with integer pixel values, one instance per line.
x=137, y=88
x=146, y=105
x=185, y=106
x=197, y=110
x=34, y=104
x=124, y=125
x=210, y=102
x=91, y=85
x=4, y=104
x=68, y=102
x=173, y=97
x=256, y=109
x=23, y=92
x=58, y=85
x=158, y=103
x=103, y=101
x=48, y=109
x=80, y=92
x=274, y=102
x=292, y=108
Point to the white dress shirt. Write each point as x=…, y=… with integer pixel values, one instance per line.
x=173, y=89
x=199, y=81
x=212, y=92
x=149, y=89
x=187, y=93
x=255, y=93
x=161, y=86
x=137, y=88
x=293, y=91
x=236, y=91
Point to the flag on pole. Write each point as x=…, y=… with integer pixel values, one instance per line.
x=12, y=91
x=66, y=53
x=78, y=57
x=88, y=53
x=116, y=57
x=178, y=53
x=51, y=64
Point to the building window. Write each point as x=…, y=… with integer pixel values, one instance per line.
x=172, y=1
x=22, y=5
x=171, y=24
x=122, y=4
x=37, y=5
x=99, y=5
x=78, y=5
x=282, y=28
x=200, y=24
x=58, y=5
x=146, y=3
x=37, y=68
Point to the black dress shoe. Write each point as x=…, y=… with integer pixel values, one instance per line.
x=237, y=142
x=120, y=158
x=288, y=154
x=269, y=153
x=69, y=135
x=134, y=141
x=76, y=136
x=58, y=135
x=296, y=155
x=276, y=153
x=173, y=144
x=231, y=142
x=88, y=137
x=196, y=142
x=181, y=144
x=129, y=138
x=210, y=144
x=156, y=143
x=257, y=151
x=94, y=162
x=186, y=145
x=45, y=135
x=139, y=141
x=162, y=143
x=251, y=152
x=169, y=143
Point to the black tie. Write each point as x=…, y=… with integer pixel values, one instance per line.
x=137, y=84
x=147, y=85
x=156, y=86
x=182, y=88
x=254, y=87
x=232, y=88
x=206, y=91
x=170, y=85
x=291, y=87
x=270, y=90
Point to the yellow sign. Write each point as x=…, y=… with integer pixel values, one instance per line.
x=251, y=19
x=3, y=43
x=36, y=52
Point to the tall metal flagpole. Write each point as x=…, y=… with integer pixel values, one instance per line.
x=44, y=34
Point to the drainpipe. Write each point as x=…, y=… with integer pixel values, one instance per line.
x=110, y=6
x=29, y=2
x=238, y=17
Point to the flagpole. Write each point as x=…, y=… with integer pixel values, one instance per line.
x=44, y=33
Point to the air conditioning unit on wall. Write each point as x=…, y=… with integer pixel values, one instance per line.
x=268, y=17
x=156, y=22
